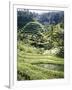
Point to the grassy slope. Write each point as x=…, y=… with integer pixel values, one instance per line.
x=29, y=57
x=33, y=72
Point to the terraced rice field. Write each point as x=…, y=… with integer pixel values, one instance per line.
x=32, y=66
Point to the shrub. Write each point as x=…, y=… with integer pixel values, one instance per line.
x=60, y=53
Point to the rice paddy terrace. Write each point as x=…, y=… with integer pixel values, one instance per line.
x=33, y=65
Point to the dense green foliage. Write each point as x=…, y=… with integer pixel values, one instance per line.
x=23, y=17
x=40, y=45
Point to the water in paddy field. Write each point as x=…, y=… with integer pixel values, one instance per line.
x=52, y=66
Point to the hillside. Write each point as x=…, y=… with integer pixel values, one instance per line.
x=40, y=45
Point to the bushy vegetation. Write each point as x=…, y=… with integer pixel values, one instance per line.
x=40, y=45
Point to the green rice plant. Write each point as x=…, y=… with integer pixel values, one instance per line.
x=33, y=72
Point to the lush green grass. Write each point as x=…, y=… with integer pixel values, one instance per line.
x=32, y=65
x=32, y=72
x=42, y=59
